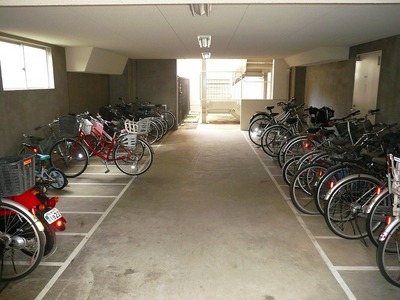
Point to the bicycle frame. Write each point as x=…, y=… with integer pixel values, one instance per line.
x=104, y=138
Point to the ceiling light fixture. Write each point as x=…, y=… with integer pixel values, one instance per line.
x=200, y=9
x=204, y=41
x=206, y=55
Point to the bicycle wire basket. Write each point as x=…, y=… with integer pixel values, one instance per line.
x=131, y=126
x=17, y=174
x=68, y=126
x=130, y=140
x=86, y=126
x=143, y=126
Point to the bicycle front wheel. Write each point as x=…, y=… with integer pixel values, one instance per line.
x=133, y=159
x=387, y=256
x=70, y=157
x=22, y=244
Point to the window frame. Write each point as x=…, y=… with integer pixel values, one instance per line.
x=26, y=83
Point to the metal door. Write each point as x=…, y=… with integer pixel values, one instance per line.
x=366, y=82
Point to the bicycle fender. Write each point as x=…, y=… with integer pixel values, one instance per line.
x=34, y=219
x=347, y=178
x=385, y=233
x=256, y=115
x=377, y=198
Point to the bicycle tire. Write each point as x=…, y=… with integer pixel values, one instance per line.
x=282, y=150
x=302, y=186
x=289, y=169
x=170, y=118
x=380, y=209
x=164, y=125
x=153, y=134
x=273, y=138
x=22, y=244
x=296, y=147
x=257, y=127
x=327, y=181
x=345, y=202
x=60, y=180
x=133, y=160
x=69, y=156
x=387, y=256
x=51, y=237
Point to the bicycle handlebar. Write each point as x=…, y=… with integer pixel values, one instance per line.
x=373, y=111
x=354, y=113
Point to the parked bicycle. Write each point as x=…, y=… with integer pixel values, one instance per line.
x=388, y=251
x=131, y=155
x=22, y=238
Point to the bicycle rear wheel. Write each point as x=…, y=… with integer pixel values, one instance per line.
x=22, y=244
x=133, y=159
x=70, y=157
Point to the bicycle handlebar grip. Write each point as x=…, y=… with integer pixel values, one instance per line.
x=372, y=111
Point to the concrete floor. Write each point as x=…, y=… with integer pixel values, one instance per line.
x=211, y=219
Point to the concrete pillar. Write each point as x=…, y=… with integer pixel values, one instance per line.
x=204, y=91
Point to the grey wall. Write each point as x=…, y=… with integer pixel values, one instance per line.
x=389, y=81
x=332, y=84
x=88, y=92
x=157, y=82
x=124, y=86
x=21, y=111
x=150, y=80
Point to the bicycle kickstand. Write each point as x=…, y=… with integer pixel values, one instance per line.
x=106, y=164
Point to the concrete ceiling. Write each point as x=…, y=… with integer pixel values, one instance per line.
x=159, y=29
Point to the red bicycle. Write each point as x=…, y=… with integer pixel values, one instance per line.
x=132, y=155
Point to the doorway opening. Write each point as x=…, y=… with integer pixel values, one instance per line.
x=217, y=86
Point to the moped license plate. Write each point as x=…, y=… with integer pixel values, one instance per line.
x=52, y=215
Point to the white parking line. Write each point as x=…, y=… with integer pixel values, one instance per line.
x=62, y=266
x=71, y=233
x=95, y=183
x=74, y=253
x=333, y=237
x=84, y=196
x=321, y=252
x=83, y=212
x=357, y=268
